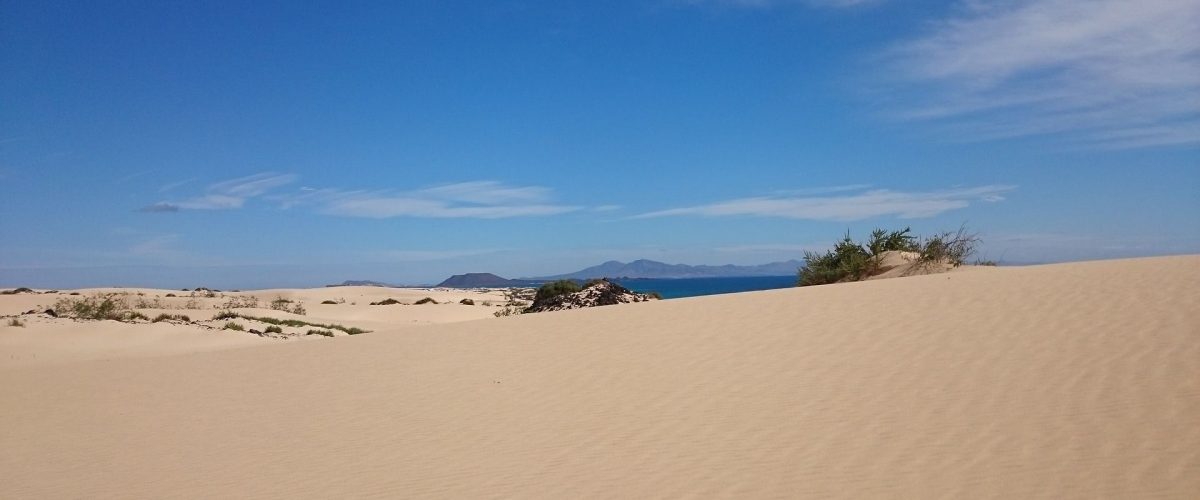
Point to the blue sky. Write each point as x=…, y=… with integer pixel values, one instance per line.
x=241, y=145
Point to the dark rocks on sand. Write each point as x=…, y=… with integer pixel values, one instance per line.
x=597, y=293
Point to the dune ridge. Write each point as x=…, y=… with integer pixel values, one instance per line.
x=1073, y=380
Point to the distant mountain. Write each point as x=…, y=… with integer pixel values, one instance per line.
x=480, y=280
x=652, y=269
x=362, y=283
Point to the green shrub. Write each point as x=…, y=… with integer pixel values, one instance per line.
x=847, y=260
x=274, y=329
x=851, y=261
x=556, y=288
x=234, y=326
x=426, y=300
x=326, y=333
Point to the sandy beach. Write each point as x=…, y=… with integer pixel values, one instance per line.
x=1077, y=380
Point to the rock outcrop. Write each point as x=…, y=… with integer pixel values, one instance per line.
x=598, y=293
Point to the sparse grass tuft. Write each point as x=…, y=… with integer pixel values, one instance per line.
x=274, y=329
x=281, y=304
x=171, y=317
x=241, y=302
x=295, y=323
x=98, y=307
x=325, y=333
x=234, y=326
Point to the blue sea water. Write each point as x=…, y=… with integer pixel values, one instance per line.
x=693, y=287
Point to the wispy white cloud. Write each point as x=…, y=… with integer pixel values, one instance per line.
x=478, y=199
x=1110, y=73
x=173, y=185
x=771, y=248
x=428, y=255
x=776, y=3
x=848, y=207
x=228, y=194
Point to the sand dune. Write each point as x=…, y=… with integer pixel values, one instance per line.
x=50, y=340
x=1064, y=381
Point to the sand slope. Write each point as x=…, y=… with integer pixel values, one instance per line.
x=1064, y=381
x=46, y=340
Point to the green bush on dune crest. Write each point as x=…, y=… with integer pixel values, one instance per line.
x=853, y=261
x=556, y=288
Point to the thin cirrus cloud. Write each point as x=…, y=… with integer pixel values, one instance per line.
x=776, y=3
x=478, y=199
x=226, y=195
x=847, y=207
x=1100, y=73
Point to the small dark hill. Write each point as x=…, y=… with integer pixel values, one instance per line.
x=479, y=280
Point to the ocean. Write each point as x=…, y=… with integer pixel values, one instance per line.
x=694, y=287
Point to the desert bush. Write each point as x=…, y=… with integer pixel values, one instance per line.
x=225, y=315
x=240, y=302
x=325, y=333
x=467, y=302
x=16, y=291
x=281, y=304
x=556, y=288
x=329, y=302
x=133, y=315
x=16, y=322
x=99, y=306
x=851, y=261
x=74, y=293
x=274, y=329
x=509, y=310
x=149, y=304
x=299, y=309
x=171, y=317
x=991, y=263
x=171, y=295
x=847, y=260
x=426, y=300
x=952, y=247
x=234, y=326
x=387, y=302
